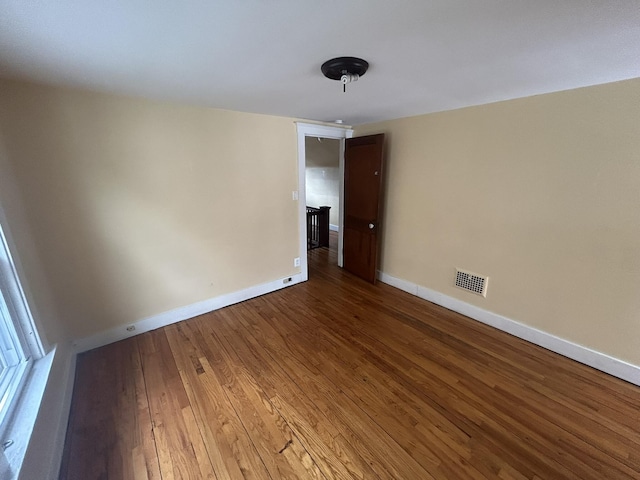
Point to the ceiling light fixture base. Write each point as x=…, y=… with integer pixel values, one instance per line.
x=345, y=69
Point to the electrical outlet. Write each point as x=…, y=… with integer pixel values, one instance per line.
x=296, y=262
x=131, y=328
x=294, y=195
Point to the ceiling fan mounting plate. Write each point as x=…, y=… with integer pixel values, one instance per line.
x=337, y=67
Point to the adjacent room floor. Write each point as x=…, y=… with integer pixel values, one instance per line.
x=336, y=378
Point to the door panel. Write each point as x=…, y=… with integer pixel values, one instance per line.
x=363, y=182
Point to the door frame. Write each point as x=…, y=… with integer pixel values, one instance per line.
x=304, y=130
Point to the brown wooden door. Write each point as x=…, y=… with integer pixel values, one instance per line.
x=363, y=185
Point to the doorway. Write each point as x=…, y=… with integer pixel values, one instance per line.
x=308, y=133
x=322, y=190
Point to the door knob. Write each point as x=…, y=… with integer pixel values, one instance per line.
x=371, y=225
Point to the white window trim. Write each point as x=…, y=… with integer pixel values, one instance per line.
x=26, y=341
x=17, y=302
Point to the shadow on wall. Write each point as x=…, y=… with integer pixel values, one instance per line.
x=84, y=212
x=20, y=238
x=129, y=201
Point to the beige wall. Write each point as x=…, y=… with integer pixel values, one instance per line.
x=322, y=173
x=541, y=194
x=139, y=207
x=26, y=257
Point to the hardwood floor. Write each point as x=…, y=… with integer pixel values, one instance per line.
x=336, y=378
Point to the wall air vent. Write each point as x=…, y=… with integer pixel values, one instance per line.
x=471, y=282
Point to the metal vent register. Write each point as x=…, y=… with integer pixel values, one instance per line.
x=471, y=282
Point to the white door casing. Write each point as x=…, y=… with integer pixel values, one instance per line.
x=323, y=131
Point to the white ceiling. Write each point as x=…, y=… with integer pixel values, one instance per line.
x=264, y=55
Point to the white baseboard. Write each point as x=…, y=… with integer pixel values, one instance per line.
x=334, y=228
x=600, y=361
x=182, y=313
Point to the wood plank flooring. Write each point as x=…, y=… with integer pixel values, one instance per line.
x=336, y=378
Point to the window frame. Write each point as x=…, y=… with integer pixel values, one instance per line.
x=19, y=339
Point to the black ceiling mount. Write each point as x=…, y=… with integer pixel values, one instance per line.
x=336, y=67
x=345, y=69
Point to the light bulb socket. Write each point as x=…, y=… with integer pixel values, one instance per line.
x=349, y=77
